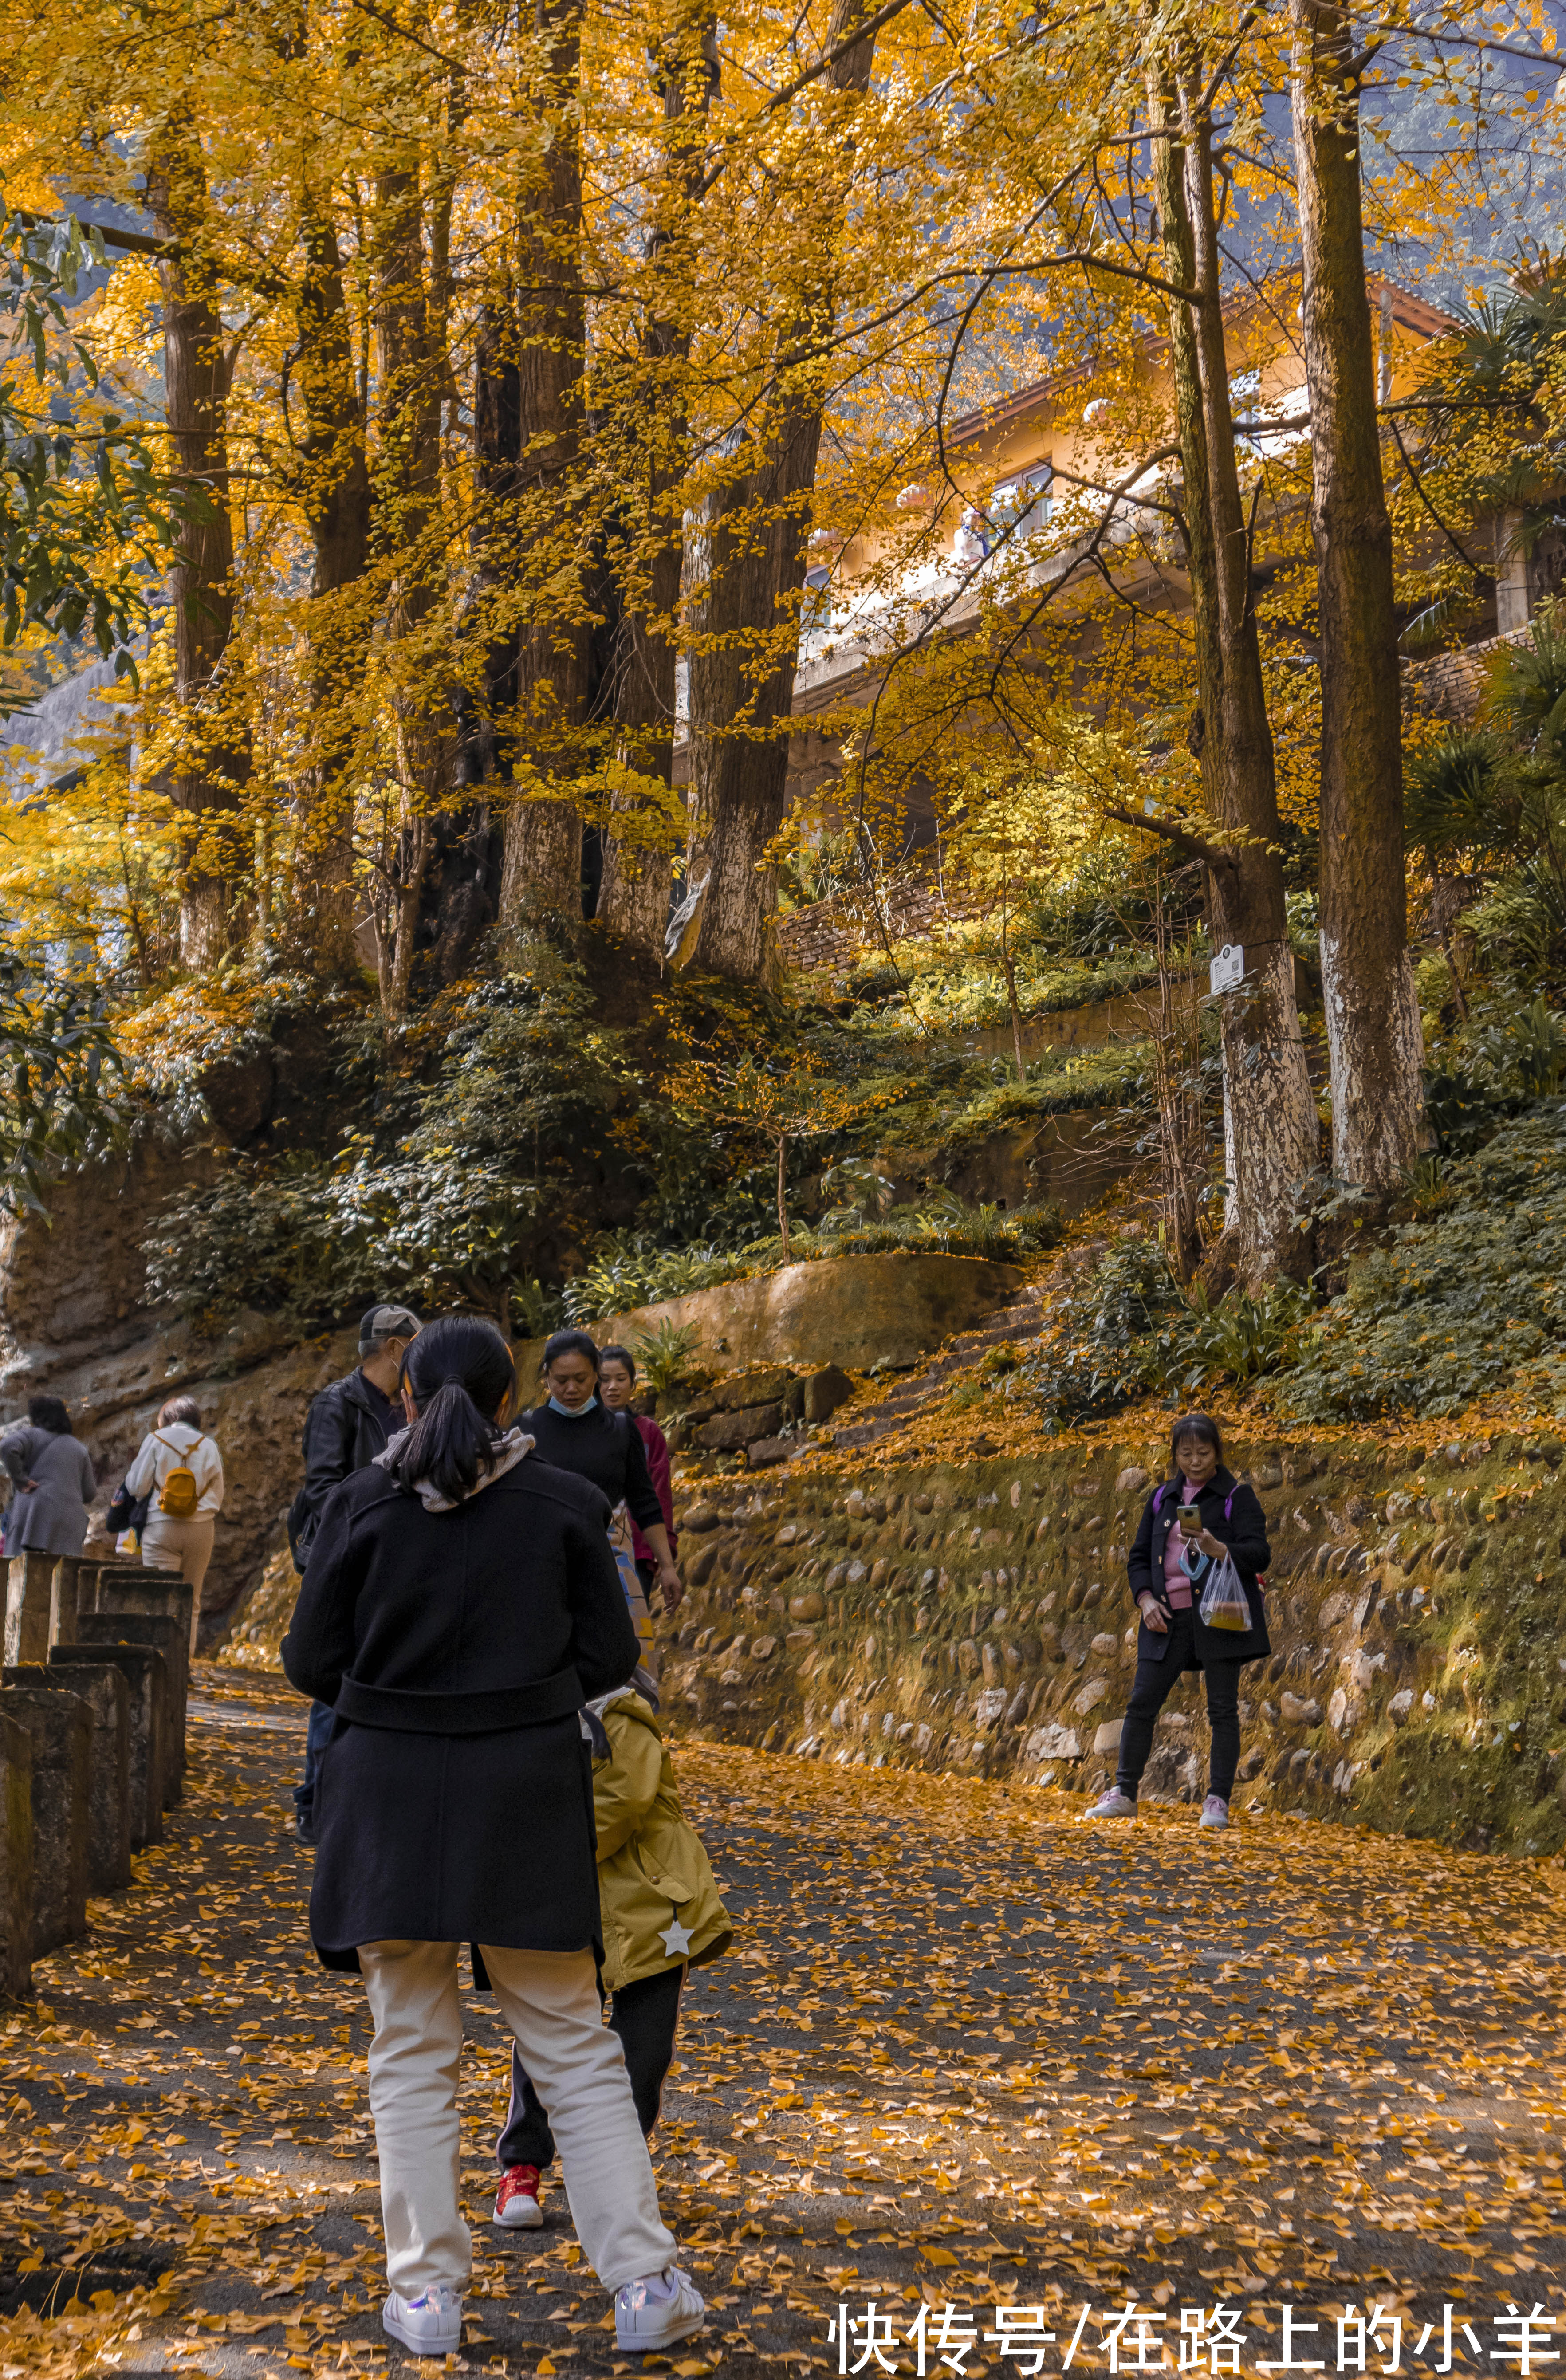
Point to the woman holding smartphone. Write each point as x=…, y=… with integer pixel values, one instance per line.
x=1199, y=1513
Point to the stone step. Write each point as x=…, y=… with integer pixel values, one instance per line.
x=1023, y=1318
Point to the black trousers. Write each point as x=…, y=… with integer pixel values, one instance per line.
x=1153, y=1683
x=645, y=2015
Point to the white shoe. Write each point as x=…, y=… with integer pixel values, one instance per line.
x=431, y=2324
x=1112, y=1805
x=1214, y=1811
x=656, y=2311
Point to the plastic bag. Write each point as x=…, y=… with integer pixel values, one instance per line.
x=1223, y=1603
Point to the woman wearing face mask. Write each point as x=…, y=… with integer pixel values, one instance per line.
x=574, y=1429
x=1200, y=1513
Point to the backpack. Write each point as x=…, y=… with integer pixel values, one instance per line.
x=179, y=1495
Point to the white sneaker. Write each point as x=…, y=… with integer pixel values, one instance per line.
x=656, y=2311
x=431, y=2324
x=1112, y=1805
x=1214, y=1811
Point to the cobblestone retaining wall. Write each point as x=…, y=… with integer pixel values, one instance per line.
x=976, y=1617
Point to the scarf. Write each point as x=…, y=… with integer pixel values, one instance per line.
x=504, y=1454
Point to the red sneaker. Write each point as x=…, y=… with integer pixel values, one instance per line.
x=516, y=2200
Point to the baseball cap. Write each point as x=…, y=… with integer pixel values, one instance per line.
x=387, y=1322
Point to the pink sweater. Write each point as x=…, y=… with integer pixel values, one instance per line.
x=1177, y=1584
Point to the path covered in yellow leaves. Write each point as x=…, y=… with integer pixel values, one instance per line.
x=966, y=2053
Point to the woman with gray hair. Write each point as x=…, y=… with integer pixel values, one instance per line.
x=179, y=1467
x=52, y=1480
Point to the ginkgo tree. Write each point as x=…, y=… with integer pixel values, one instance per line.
x=781, y=1098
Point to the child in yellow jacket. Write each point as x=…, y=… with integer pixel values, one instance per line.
x=660, y=1913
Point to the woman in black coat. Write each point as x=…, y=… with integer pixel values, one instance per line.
x=575, y=1428
x=459, y=1606
x=1169, y=1569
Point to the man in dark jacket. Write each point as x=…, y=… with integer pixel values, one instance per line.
x=347, y=1426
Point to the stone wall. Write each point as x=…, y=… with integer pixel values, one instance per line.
x=835, y=933
x=853, y=1311
x=1453, y=686
x=978, y=1618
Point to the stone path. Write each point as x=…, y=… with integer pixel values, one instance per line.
x=1020, y=1319
x=966, y=2052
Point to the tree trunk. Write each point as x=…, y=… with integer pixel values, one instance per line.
x=1374, y=1041
x=542, y=868
x=335, y=488
x=751, y=559
x=1275, y=1129
x=406, y=493
x=1008, y=969
x=746, y=643
x=213, y=766
x=634, y=898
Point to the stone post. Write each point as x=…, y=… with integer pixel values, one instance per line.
x=147, y=1682
x=62, y=1600
x=121, y=1587
x=15, y=1860
x=28, y=1588
x=102, y=1685
x=167, y=1636
x=61, y=1727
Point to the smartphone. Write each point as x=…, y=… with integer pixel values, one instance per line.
x=1191, y=1519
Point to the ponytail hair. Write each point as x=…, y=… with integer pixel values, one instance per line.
x=459, y=1372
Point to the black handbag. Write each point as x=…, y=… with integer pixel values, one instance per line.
x=126, y=1512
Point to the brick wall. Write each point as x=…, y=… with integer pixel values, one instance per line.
x=834, y=933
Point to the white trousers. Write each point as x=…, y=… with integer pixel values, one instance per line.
x=550, y=2000
x=182, y=1546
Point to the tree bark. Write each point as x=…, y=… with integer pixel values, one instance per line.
x=407, y=492
x=214, y=767
x=1276, y=1136
x=744, y=624
x=634, y=898
x=1374, y=1040
x=542, y=866
x=334, y=475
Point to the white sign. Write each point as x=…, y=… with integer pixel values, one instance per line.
x=1228, y=968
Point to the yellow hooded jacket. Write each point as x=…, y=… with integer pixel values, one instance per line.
x=653, y=1876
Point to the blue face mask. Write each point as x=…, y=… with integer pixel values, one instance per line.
x=572, y=1413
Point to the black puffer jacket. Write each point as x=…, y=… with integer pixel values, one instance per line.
x=1242, y=1529
x=454, y=1799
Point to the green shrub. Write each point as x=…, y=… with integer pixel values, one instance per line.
x=1103, y=1352
x=1457, y=1306
x=1130, y=1329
